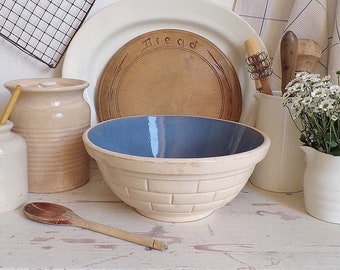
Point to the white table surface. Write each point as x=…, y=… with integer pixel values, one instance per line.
x=257, y=230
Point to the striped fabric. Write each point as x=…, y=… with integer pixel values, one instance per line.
x=308, y=19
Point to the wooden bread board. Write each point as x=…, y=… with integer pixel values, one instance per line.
x=169, y=72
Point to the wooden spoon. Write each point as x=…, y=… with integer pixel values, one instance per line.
x=289, y=54
x=56, y=214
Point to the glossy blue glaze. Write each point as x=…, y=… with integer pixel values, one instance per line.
x=174, y=137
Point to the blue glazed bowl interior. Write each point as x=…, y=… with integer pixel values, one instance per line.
x=174, y=137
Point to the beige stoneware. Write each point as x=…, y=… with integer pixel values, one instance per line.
x=176, y=189
x=51, y=115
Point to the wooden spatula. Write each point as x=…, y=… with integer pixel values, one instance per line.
x=309, y=53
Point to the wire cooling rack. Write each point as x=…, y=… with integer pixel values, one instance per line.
x=42, y=28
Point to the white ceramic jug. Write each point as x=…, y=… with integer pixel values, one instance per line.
x=322, y=185
x=283, y=167
x=13, y=169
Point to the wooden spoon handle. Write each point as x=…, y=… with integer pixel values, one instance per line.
x=10, y=105
x=123, y=235
x=288, y=53
x=252, y=48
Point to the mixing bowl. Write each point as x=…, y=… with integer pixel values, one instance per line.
x=175, y=168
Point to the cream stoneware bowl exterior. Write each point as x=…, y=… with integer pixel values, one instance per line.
x=176, y=189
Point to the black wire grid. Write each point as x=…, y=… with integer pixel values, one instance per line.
x=42, y=28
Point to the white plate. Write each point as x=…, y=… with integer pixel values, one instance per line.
x=109, y=29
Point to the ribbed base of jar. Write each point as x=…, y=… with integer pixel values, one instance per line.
x=58, y=180
x=57, y=160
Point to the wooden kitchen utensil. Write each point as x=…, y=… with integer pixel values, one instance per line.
x=56, y=214
x=169, y=72
x=309, y=53
x=10, y=105
x=288, y=54
x=259, y=65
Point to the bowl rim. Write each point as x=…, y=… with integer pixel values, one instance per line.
x=265, y=144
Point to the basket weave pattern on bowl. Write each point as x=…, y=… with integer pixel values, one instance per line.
x=171, y=197
x=176, y=188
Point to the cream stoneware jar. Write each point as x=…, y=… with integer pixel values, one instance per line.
x=51, y=114
x=283, y=168
x=13, y=169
